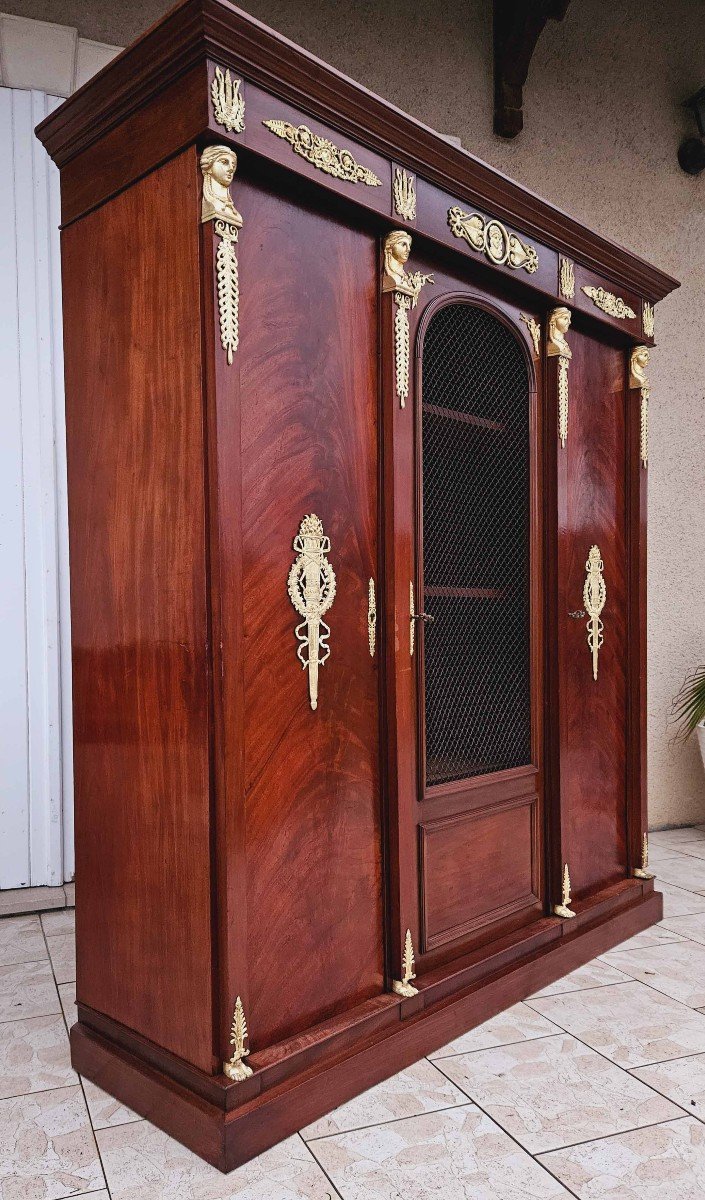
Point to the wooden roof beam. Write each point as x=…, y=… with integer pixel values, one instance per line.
x=517, y=26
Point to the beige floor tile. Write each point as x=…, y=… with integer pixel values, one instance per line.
x=34, y=1056
x=676, y=837
x=666, y=1162
x=67, y=996
x=676, y=969
x=682, y=870
x=105, y=1111
x=678, y=902
x=62, y=920
x=47, y=1149
x=62, y=951
x=517, y=1024
x=688, y=926
x=455, y=1155
x=630, y=1024
x=21, y=940
x=419, y=1089
x=30, y=900
x=593, y=974
x=682, y=1080
x=555, y=1091
x=692, y=849
x=142, y=1163
x=27, y=990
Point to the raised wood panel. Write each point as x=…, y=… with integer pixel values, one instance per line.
x=593, y=713
x=308, y=387
x=478, y=868
x=139, y=613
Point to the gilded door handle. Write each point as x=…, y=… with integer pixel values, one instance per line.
x=371, y=617
x=578, y=614
x=425, y=617
x=594, y=597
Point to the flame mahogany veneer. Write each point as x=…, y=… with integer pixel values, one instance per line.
x=231, y=841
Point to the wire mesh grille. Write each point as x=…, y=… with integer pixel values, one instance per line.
x=475, y=442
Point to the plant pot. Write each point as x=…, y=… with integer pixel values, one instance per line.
x=700, y=730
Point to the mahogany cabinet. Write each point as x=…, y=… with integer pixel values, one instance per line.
x=358, y=454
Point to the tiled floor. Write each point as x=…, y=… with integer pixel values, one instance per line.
x=595, y=1087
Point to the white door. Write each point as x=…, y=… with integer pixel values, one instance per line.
x=36, y=787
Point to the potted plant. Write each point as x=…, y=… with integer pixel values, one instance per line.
x=689, y=708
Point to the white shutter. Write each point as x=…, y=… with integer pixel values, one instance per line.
x=36, y=786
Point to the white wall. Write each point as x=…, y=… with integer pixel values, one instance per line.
x=39, y=64
x=36, y=827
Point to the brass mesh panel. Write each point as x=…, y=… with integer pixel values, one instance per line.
x=475, y=438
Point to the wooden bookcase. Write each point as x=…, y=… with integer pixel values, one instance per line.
x=328, y=376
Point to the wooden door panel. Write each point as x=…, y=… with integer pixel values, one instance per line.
x=498, y=849
x=593, y=712
x=308, y=377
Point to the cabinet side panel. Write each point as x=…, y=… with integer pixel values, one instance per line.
x=138, y=600
x=308, y=374
x=593, y=712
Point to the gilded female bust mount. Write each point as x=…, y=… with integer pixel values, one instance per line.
x=218, y=164
x=637, y=367
x=558, y=326
x=397, y=248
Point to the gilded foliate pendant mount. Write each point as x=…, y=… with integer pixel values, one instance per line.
x=311, y=587
x=557, y=347
x=236, y=1068
x=643, y=871
x=637, y=379
x=403, y=986
x=371, y=617
x=406, y=288
x=491, y=238
x=228, y=101
x=613, y=305
x=218, y=164
x=563, y=909
x=322, y=153
x=594, y=598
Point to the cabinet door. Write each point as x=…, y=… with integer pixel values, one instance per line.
x=593, y=711
x=476, y=629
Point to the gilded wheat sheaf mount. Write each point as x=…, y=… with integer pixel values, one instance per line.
x=218, y=164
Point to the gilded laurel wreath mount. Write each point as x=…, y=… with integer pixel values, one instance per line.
x=228, y=101
x=311, y=587
x=236, y=1068
x=557, y=347
x=489, y=237
x=322, y=153
x=406, y=288
x=404, y=194
x=637, y=379
x=594, y=597
x=218, y=164
x=613, y=305
x=563, y=909
x=403, y=986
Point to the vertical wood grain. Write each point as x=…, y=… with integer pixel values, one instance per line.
x=308, y=394
x=139, y=608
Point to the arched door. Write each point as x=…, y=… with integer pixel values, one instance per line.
x=477, y=630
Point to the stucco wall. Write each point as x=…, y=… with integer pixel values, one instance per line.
x=603, y=120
